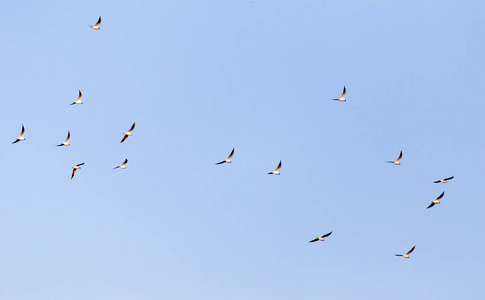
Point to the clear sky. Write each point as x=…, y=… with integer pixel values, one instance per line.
x=202, y=77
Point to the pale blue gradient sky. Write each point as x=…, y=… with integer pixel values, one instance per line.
x=202, y=77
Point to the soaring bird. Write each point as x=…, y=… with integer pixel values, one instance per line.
x=78, y=101
x=444, y=180
x=21, y=137
x=407, y=254
x=397, y=161
x=277, y=171
x=437, y=201
x=66, y=142
x=128, y=133
x=96, y=26
x=228, y=160
x=123, y=165
x=342, y=98
x=75, y=168
x=320, y=238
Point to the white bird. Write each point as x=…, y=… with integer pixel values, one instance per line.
x=342, y=98
x=21, y=137
x=123, y=165
x=407, y=254
x=75, y=168
x=96, y=26
x=66, y=143
x=78, y=101
x=437, y=201
x=397, y=161
x=128, y=133
x=277, y=171
x=320, y=238
x=228, y=160
x=444, y=180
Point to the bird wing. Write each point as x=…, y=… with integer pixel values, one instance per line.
x=68, y=136
x=440, y=196
x=313, y=240
x=125, y=162
x=124, y=138
x=232, y=153
x=15, y=141
x=412, y=249
x=80, y=96
x=23, y=131
x=99, y=22
x=132, y=128
x=450, y=178
x=400, y=156
x=437, y=181
x=73, y=173
x=80, y=164
x=431, y=205
x=344, y=92
x=324, y=236
x=278, y=167
x=398, y=254
x=220, y=162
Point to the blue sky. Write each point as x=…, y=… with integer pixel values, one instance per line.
x=200, y=78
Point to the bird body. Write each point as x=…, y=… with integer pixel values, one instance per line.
x=21, y=137
x=228, y=159
x=407, y=254
x=277, y=171
x=78, y=101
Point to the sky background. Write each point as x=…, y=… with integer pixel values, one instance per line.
x=202, y=77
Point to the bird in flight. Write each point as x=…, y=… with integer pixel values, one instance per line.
x=21, y=137
x=228, y=160
x=66, y=142
x=123, y=165
x=277, y=171
x=444, y=180
x=128, y=133
x=75, y=168
x=397, y=161
x=320, y=238
x=407, y=254
x=78, y=101
x=342, y=98
x=437, y=201
x=96, y=26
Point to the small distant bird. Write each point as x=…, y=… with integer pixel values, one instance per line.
x=123, y=165
x=21, y=137
x=66, y=142
x=437, y=201
x=407, y=254
x=75, y=168
x=320, y=238
x=78, y=101
x=228, y=160
x=342, y=98
x=277, y=171
x=444, y=180
x=397, y=161
x=128, y=133
x=96, y=26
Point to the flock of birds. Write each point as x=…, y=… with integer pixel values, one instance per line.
x=227, y=160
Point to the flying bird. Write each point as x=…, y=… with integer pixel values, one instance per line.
x=75, y=168
x=320, y=238
x=228, y=160
x=397, y=161
x=407, y=254
x=128, y=133
x=437, y=201
x=66, y=142
x=277, y=171
x=21, y=137
x=96, y=26
x=123, y=165
x=342, y=98
x=444, y=180
x=78, y=101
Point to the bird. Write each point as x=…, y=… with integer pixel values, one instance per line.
x=320, y=238
x=21, y=137
x=342, y=98
x=407, y=254
x=437, y=201
x=78, y=101
x=397, y=161
x=66, y=142
x=444, y=180
x=128, y=133
x=96, y=26
x=277, y=171
x=75, y=168
x=228, y=160
x=123, y=165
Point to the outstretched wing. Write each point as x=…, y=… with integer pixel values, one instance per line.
x=440, y=196
x=400, y=156
x=232, y=153
x=124, y=138
x=344, y=92
x=431, y=205
x=313, y=240
x=73, y=173
x=324, y=236
x=450, y=178
x=132, y=128
x=99, y=22
x=278, y=167
x=412, y=249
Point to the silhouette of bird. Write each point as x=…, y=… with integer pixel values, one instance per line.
x=437, y=201
x=320, y=238
x=228, y=160
x=397, y=161
x=78, y=101
x=277, y=171
x=407, y=254
x=444, y=180
x=128, y=133
x=75, y=168
x=21, y=137
x=342, y=98
x=66, y=142
x=123, y=165
x=96, y=26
